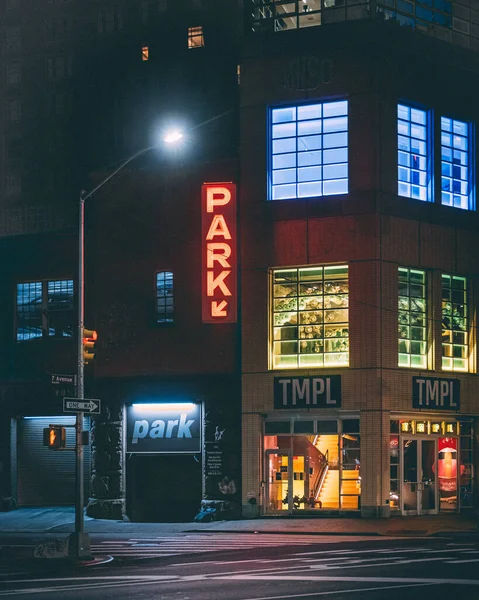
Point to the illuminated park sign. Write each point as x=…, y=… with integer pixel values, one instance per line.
x=218, y=218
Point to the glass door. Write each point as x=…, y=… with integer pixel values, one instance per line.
x=419, y=468
x=279, y=488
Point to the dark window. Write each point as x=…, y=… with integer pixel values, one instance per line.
x=275, y=427
x=327, y=427
x=164, y=297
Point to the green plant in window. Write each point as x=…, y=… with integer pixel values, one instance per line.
x=290, y=304
x=403, y=303
x=418, y=304
x=403, y=318
x=285, y=319
x=403, y=332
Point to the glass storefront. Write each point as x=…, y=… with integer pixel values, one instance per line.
x=431, y=467
x=312, y=465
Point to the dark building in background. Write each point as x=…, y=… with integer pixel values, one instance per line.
x=347, y=382
x=85, y=85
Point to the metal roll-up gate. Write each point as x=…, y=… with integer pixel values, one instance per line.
x=47, y=477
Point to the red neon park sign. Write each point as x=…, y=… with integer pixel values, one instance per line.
x=219, y=255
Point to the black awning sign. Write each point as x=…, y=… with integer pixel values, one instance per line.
x=307, y=392
x=435, y=393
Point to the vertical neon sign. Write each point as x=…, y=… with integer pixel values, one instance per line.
x=219, y=256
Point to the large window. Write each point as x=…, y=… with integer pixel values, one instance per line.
x=164, y=297
x=412, y=319
x=282, y=15
x=309, y=150
x=455, y=345
x=45, y=309
x=310, y=317
x=456, y=164
x=414, y=171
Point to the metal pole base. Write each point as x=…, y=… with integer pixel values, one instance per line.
x=79, y=546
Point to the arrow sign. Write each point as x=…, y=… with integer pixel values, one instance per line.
x=88, y=405
x=218, y=308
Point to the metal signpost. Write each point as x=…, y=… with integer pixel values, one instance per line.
x=91, y=406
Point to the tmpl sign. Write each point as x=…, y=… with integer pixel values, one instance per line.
x=307, y=392
x=434, y=393
x=164, y=428
x=219, y=261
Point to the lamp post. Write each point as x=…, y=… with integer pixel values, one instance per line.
x=79, y=541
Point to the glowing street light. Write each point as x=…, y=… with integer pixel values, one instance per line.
x=172, y=136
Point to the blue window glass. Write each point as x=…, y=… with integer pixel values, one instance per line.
x=456, y=164
x=164, y=297
x=308, y=150
x=45, y=309
x=414, y=174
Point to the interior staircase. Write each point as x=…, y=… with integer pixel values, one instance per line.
x=329, y=495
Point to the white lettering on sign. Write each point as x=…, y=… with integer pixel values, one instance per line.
x=307, y=391
x=162, y=429
x=437, y=393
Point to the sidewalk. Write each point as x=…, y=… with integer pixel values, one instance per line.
x=62, y=520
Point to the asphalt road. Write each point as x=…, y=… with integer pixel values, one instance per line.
x=254, y=567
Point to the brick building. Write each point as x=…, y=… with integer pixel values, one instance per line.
x=348, y=381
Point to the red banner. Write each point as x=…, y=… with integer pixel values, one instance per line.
x=219, y=253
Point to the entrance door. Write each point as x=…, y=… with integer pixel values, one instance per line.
x=419, y=468
x=279, y=489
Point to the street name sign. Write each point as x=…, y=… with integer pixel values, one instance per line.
x=87, y=405
x=58, y=379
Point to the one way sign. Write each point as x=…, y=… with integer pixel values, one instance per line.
x=87, y=405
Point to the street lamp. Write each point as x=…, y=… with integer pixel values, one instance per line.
x=79, y=541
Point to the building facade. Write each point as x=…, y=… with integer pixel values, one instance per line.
x=359, y=245
x=309, y=349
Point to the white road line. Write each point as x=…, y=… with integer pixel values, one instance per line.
x=405, y=580
x=378, y=551
x=343, y=591
x=456, y=562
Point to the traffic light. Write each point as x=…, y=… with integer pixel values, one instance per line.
x=54, y=437
x=89, y=341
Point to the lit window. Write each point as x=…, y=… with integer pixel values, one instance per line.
x=456, y=164
x=412, y=319
x=195, y=37
x=45, y=309
x=310, y=317
x=145, y=53
x=308, y=150
x=414, y=171
x=164, y=297
x=455, y=346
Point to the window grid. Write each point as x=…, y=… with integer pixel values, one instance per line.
x=310, y=317
x=164, y=297
x=455, y=164
x=455, y=345
x=309, y=150
x=196, y=38
x=412, y=319
x=413, y=168
x=45, y=309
